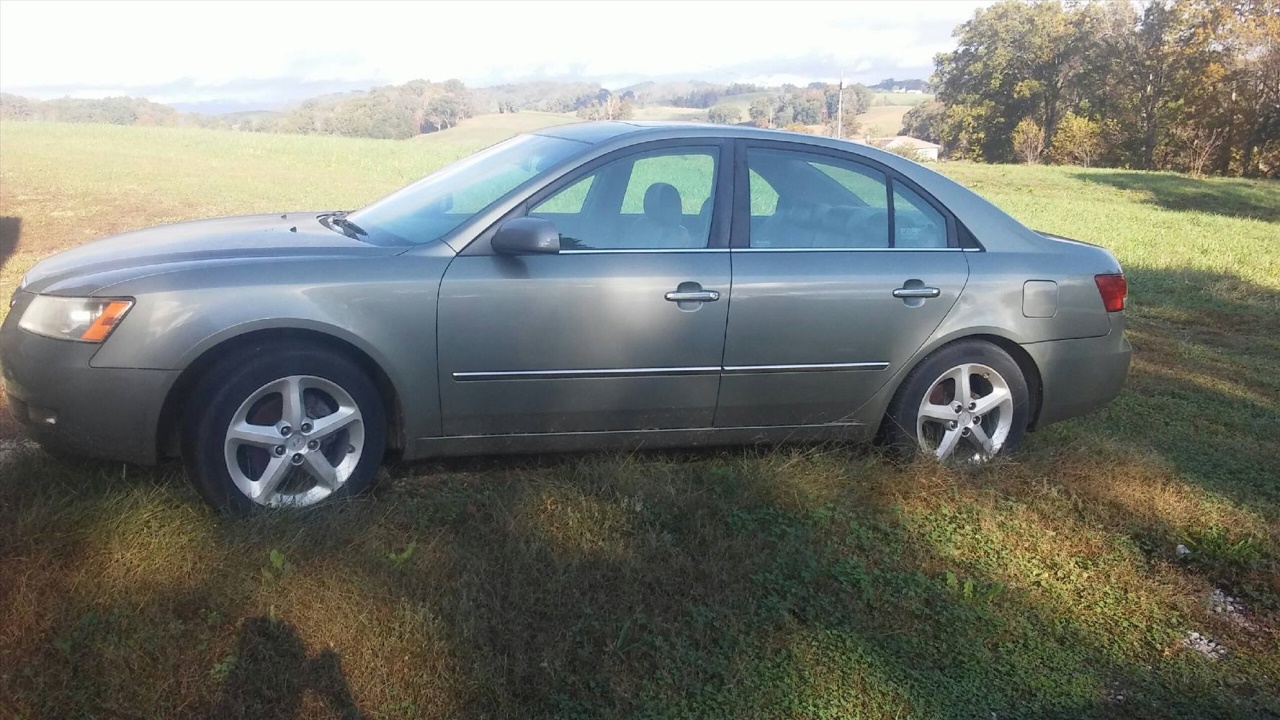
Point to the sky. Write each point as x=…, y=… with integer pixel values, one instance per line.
x=267, y=54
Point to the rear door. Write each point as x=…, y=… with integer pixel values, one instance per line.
x=840, y=274
x=621, y=330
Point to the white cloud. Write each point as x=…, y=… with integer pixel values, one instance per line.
x=86, y=47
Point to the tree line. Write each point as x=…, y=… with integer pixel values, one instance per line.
x=796, y=108
x=1187, y=85
x=111, y=110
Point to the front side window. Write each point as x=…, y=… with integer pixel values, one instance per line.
x=437, y=204
x=652, y=201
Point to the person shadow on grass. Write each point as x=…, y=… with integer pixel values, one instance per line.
x=272, y=671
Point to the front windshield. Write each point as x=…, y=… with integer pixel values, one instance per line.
x=433, y=206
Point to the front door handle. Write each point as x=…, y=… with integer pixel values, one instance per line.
x=917, y=292
x=693, y=296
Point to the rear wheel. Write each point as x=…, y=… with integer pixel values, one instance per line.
x=285, y=425
x=965, y=403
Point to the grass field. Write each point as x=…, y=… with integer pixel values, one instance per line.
x=816, y=582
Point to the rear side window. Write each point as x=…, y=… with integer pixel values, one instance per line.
x=916, y=223
x=803, y=200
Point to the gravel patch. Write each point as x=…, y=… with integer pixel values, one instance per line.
x=1203, y=645
x=1231, y=608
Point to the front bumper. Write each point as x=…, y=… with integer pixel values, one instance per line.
x=108, y=413
x=1082, y=375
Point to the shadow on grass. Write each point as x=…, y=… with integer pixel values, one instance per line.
x=1203, y=391
x=10, y=231
x=272, y=671
x=1255, y=199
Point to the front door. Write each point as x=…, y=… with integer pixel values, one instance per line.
x=842, y=277
x=622, y=330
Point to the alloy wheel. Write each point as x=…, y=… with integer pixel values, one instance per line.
x=295, y=441
x=966, y=415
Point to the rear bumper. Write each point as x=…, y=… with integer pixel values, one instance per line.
x=64, y=404
x=1082, y=375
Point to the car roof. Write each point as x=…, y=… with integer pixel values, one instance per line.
x=599, y=132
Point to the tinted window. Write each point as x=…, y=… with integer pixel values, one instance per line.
x=692, y=175
x=435, y=205
x=821, y=202
x=570, y=199
x=658, y=200
x=916, y=223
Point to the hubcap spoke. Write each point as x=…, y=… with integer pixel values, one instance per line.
x=263, y=436
x=980, y=436
x=948, y=445
x=318, y=467
x=332, y=423
x=992, y=400
x=941, y=413
x=267, y=485
x=961, y=377
x=292, y=405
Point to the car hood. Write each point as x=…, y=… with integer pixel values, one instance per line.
x=150, y=251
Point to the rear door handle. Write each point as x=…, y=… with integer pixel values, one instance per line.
x=693, y=296
x=917, y=292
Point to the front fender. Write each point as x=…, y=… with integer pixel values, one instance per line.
x=386, y=307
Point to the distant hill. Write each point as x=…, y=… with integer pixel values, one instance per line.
x=422, y=107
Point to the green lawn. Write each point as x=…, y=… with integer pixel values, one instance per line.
x=803, y=581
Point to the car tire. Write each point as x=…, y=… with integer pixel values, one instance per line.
x=283, y=424
x=987, y=418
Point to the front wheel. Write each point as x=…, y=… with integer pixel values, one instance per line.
x=285, y=425
x=965, y=403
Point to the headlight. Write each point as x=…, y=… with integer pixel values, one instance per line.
x=81, y=319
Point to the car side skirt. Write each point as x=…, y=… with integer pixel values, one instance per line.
x=465, y=445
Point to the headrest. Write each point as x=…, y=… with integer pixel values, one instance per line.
x=662, y=203
x=838, y=219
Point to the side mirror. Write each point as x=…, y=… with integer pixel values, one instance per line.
x=526, y=236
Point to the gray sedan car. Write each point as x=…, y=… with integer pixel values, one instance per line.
x=586, y=286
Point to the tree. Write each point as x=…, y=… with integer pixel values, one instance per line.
x=810, y=110
x=1199, y=145
x=611, y=107
x=1078, y=141
x=761, y=112
x=851, y=127
x=857, y=99
x=925, y=121
x=725, y=115
x=1013, y=60
x=446, y=110
x=783, y=113
x=1028, y=140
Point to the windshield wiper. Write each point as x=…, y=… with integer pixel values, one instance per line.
x=349, y=228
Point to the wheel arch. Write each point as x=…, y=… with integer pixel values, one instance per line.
x=169, y=427
x=1030, y=371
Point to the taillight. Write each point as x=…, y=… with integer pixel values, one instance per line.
x=1113, y=289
